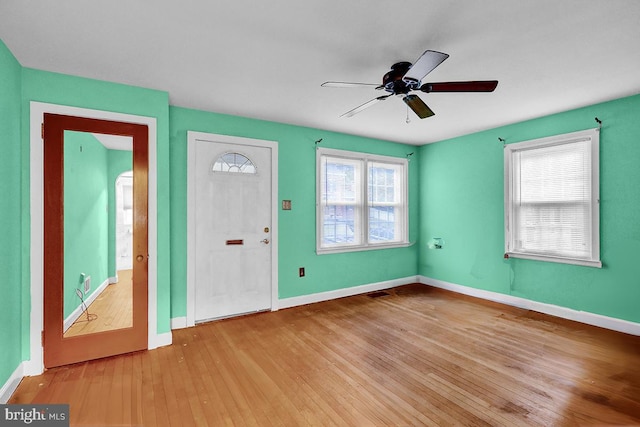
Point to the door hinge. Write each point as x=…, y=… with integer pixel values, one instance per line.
x=42, y=131
x=42, y=338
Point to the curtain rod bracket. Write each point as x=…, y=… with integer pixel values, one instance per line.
x=599, y=123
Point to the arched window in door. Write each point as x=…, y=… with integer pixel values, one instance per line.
x=234, y=163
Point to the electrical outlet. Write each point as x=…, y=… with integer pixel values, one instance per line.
x=301, y=271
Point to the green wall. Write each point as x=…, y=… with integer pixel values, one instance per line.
x=11, y=335
x=462, y=199
x=296, y=180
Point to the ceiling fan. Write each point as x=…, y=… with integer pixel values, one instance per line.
x=405, y=77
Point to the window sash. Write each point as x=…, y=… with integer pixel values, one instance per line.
x=361, y=201
x=385, y=202
x=340, y=193
x=551, y=199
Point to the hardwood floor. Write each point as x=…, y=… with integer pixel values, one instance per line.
x=417, y=356
x=113, y=309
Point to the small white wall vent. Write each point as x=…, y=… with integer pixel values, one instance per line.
x=87, y=284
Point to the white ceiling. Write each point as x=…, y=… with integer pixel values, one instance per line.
x=115, y=142
x=266, y=60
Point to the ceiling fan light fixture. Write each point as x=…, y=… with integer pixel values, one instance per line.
x=418, y=106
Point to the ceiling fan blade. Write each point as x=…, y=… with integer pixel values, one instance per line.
x=429, y=60
x=367, y=104
x=418, y=106
x=348, y=84
x=471, y=86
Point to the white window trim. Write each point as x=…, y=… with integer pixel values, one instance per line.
x=365, y=245
x=509, y=149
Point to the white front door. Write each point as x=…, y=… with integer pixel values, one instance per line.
x=231, y=228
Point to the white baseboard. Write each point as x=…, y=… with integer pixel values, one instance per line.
x=78, y=311
x=344, y=292
x=33, y=367
x=179, y=323
x=160, y=340
x=11, y=384
x=553, y=310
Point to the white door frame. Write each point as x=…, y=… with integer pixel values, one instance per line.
x=35, y=365
x=192, y=137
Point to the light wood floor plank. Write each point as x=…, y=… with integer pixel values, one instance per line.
x=415, y=356
x=112, y=309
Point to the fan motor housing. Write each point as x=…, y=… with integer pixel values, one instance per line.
x=393, y=82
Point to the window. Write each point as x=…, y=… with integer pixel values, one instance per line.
x=234, y=163
x=361, y=200
x=552, y=199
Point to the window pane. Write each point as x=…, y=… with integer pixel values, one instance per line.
x=340, y=182
x=382, y=183
x=339, y=225
x=234, y=163
x=382, y=224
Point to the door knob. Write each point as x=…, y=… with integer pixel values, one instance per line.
x=265, y=241
x=139, y=258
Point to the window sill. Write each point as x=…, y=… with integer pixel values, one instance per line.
x=342, y=249
x=573, y=261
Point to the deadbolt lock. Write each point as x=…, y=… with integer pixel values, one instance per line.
x=266, y=229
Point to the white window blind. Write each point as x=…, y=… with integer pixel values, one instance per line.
x=551, y=199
